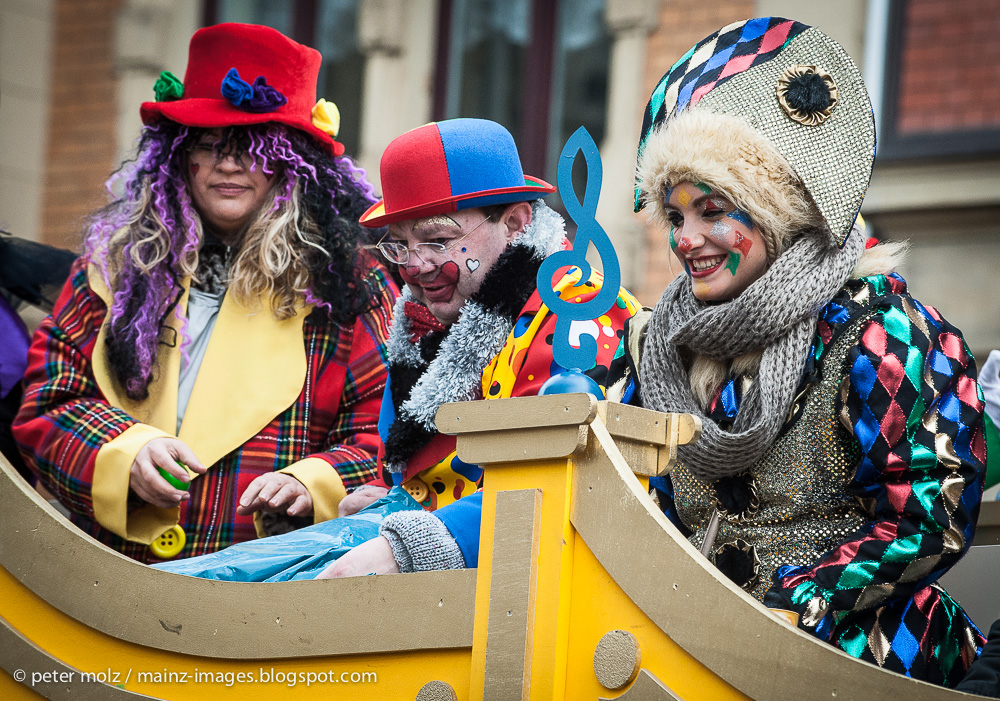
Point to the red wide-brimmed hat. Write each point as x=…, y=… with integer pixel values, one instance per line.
x=240, y=74
x=446, y=166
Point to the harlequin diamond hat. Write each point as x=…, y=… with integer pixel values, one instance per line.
x=786, y=82
x=446, y=166
x=240, y=74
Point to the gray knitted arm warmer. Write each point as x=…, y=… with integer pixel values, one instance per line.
x=420, y=542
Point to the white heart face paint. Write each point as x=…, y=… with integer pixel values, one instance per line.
x=472, y=265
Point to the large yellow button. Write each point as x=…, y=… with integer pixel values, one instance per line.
x=417, y=489
x=169, y=544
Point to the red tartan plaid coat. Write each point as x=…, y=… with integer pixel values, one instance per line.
x=298, y=395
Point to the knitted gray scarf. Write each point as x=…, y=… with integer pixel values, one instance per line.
x=776, y=315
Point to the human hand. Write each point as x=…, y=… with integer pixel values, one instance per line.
x=359, y=499
x=276, y=492
x=145, y=478
x=371, y=557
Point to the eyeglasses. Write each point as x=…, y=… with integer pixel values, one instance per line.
x=430, y=253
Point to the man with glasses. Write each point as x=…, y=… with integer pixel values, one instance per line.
x=468, y=232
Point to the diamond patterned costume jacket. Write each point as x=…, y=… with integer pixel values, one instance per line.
x=298, y=395
x=870, y=493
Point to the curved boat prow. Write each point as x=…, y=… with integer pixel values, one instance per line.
x=584, y=590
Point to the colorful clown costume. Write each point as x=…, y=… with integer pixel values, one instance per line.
x=299, y=395
x=422, y=460
x=871, y=492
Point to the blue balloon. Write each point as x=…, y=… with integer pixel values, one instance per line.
x=571, y=382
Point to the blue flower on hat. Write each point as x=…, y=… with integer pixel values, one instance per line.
x=235, y=89
x=257, y=98
x=266, y=98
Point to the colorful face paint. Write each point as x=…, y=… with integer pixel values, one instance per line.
x=673, y=242
x=195, y=168
x=730, y=238
x=716, y=244
x=721, y=233
x=733, y=262
x=436, y=220
x=441, y=287
x=742, y=217
x=445, y=284
x=742, y=243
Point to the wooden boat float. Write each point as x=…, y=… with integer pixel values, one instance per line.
x=584, y=591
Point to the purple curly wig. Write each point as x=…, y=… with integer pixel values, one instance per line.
x=147, y=240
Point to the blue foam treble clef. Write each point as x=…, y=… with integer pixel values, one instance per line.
x=588, y=232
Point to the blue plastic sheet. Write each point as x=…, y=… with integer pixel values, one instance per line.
x=301, y=554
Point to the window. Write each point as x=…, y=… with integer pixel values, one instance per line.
x=539, y=67
x=330, y=27
x=943, y=80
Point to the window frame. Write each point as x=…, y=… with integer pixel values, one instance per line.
x=896, y=146
x=536, y=88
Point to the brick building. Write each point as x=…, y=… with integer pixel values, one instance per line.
x=72, y=73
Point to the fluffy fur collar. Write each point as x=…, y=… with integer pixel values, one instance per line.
x=448, y=366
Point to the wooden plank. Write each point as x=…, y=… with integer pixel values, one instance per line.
x=546, y=443
x=22, y=657
x=635, y=428
x=646, y=425
x=643, y=458
x=693, y=603
x=647, y=688
x=510, y=626
x=130, y=601
x=515, y=413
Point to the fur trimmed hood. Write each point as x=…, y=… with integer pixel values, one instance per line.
x=734, y=158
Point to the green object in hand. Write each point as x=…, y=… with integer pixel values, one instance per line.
x=179, y=484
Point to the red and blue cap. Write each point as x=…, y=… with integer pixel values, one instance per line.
x=446, y=166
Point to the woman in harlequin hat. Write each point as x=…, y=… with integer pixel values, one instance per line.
x=216, y=355
x=841, y=454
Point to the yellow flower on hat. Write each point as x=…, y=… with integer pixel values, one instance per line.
x=326, y=117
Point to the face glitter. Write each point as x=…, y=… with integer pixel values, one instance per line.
x=742, y=217
x=720, y=232
x=731, y=239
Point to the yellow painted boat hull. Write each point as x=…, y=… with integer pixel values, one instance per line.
x=584, y=590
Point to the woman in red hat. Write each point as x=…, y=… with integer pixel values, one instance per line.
x=217, y=353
